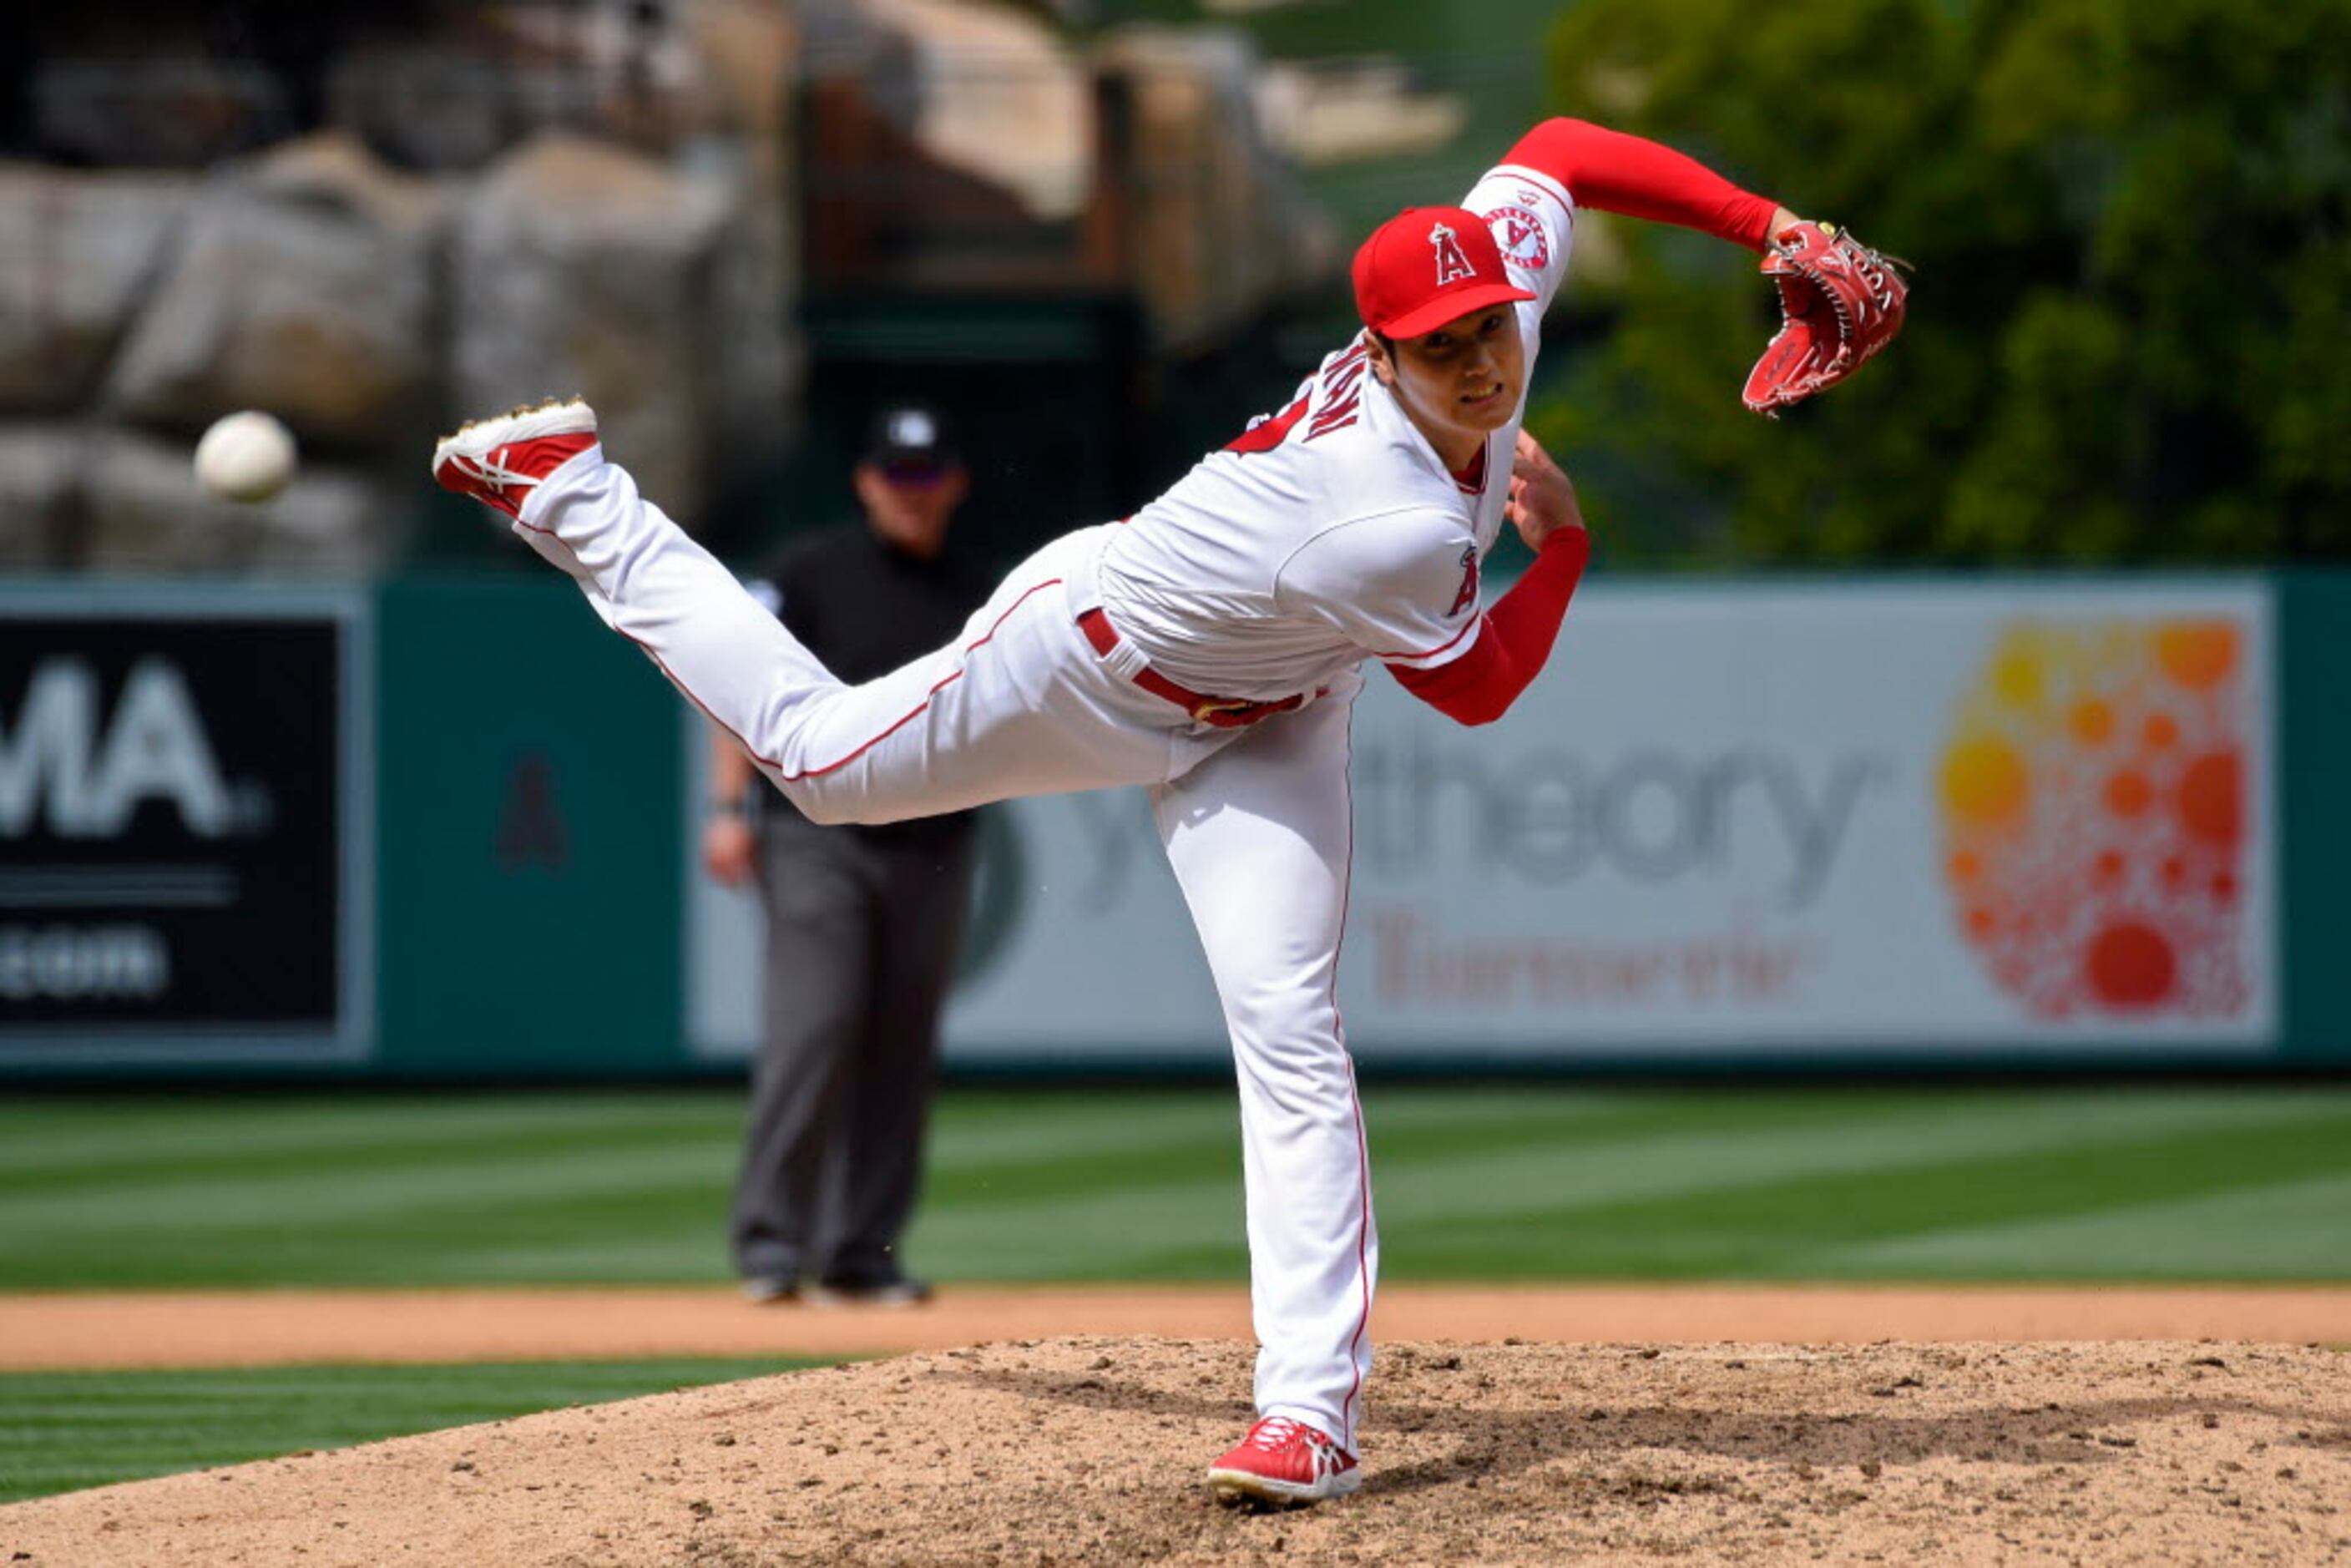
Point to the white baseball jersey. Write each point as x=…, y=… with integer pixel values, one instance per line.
x=1332, y=531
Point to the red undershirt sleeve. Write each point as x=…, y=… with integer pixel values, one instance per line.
x=1620, y=173
x=1481, y=685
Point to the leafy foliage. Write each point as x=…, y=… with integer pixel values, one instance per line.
x=2130, y=319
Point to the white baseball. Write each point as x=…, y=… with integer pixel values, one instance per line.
x=246, y=456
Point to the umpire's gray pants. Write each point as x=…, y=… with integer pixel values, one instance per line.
x=861, y=946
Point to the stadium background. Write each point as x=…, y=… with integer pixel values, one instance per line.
x=352, y=1086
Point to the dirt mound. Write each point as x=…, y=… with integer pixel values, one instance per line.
x=1088, y=1450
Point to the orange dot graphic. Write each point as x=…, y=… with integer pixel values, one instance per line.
x=2131, y=965
x=2016, y=676
x=2198, y=655
x=2210, y=804
x=2128, y=793
x=2096, y=795
x=1984, y=780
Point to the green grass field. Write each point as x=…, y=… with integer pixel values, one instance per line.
x=2168, y=1183
x=1525, y=1183
x=65, y=1430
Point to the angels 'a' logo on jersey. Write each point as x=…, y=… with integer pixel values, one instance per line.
x=1520, y=235
x=1452, y=261
x=1468, y=594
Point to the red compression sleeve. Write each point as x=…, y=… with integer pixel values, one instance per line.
x=1481, y=685
x=1620, y=173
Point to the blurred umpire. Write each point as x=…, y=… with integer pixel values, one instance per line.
x=863, y=922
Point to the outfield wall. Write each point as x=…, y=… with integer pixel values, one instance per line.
x=445, y=828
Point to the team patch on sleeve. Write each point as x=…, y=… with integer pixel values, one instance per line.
x=1520, y=235
x=1532, y=221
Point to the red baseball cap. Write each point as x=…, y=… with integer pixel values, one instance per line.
x=1427, y=265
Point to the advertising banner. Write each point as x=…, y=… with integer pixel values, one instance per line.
x=183, y=825
x=1854, y=821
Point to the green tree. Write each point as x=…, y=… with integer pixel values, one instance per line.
x=2129, y=335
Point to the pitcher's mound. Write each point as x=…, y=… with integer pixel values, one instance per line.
x=1091, y=1450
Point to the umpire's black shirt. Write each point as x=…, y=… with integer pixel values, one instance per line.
x=864, y=607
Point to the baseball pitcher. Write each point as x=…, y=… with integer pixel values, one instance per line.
x=1211, y=648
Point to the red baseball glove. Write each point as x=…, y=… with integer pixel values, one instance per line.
x=1840, y=302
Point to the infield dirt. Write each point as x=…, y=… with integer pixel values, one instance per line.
x=81, y=1331
x=1088, y=1450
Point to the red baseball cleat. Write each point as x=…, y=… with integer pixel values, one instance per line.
x=1285, y=1461
x=497, y=461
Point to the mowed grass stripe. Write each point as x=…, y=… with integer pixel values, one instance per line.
x=42, y=1137
x=1136, y=1122
x=438, y=1214
x=1114, y=1232
x=1601, y=1166
x=1408, y=1122
x=218, y=1168
x=502, y=1174
x=1411, y=1126
x=694, y=1249
x=422, y=1247
x=63, y=1431
x=587, y=1211
x=997, y=1128
x=1824, y=1226
x=685, y=1255
x=218, y=1161
x=1673, y=1162
x=550, y=1161
x=1529, y=1182
x=1173, y=1210
x=2295, y=1230
x=580, y=1152
x=356, y=1159
x=70, y=1134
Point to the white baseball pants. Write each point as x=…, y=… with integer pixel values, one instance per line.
x=1257, y=823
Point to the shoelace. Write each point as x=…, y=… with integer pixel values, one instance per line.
x=491, y=470
x=1276, y=1433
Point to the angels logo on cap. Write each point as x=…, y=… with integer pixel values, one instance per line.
x=1451, y=264
x=1398, y=292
